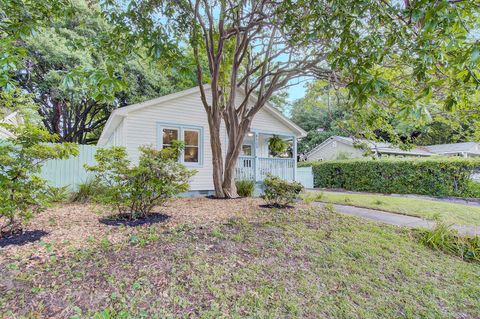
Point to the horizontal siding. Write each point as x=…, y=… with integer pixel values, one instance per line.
x=140, y=128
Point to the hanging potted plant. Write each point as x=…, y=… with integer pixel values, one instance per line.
x=277, y=146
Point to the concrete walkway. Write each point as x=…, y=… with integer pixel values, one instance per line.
x=396, y=219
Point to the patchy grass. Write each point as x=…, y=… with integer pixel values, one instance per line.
x=449, y=213
x=303, y=263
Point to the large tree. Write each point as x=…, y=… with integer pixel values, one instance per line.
x=66, y=69
x=262, y=46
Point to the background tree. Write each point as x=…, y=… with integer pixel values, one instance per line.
x=63, y=59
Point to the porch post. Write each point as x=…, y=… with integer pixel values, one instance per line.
x=255, y=156
x=295, y=158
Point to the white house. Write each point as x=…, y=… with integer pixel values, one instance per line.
x=12, y=118
x=181, y=116
x=338, y=147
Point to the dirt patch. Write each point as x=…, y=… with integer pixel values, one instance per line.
x=72, y=226
x=125, y=220
x=22, y=238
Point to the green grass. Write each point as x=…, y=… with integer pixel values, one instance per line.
x=449, y=213
x=311, y=263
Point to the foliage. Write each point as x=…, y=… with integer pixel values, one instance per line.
x=447, y=240
x=87, y=191
x=245, y=188
x=431, y=176
x=135, y=189
x=76, y=84
x=277, y=146
x=279, y=192
x=23, y=192
x=57, y=194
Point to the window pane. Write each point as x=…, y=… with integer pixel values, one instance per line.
x=191, y=138
x=190, y=154
x=247, y=150
x=169, y=135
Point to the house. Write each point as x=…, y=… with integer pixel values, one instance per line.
x=339, y=147
x=466, y=149
x=181, y=116
x=12, y=118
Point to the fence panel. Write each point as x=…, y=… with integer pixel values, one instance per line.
x=305, y=176
x=70, y=172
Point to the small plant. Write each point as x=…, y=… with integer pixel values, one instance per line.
x=329, y=208
x=245, y=188
x=22, y=191
x=135, y=189
x=280, y=193
x=378, y=202
x=87, y=191
x=443, y=238
x=277, y=146
x=310, y=197
x=57, y=194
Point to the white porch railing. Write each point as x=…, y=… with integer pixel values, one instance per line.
x=251, y=168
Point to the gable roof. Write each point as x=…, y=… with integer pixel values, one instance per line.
x=380, y=147
x=118, y=114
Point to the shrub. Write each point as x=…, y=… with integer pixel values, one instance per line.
x=22, y=191
x=135, y=189
x=444, y=239
x=431, y=176
x=280, y=193
x=57, y=194
x=245, y=188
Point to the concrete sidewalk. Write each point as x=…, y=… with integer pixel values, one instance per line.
x=396, y=219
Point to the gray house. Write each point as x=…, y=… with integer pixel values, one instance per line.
x=339, y=147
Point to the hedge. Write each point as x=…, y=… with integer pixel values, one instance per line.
x=441, y=176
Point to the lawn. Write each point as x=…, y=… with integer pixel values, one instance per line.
x=450, y=213
x=296, y=263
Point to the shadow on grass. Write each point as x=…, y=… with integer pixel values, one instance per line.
x=124, y=220
x=23, y=238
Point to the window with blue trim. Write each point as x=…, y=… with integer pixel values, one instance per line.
x=192, y=137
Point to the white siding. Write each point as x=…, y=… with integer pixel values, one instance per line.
x=333, y=150
x=117, y=137
x=141, y=129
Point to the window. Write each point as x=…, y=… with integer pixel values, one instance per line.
x=169, y=135
x=192, y=137
x=246, y=150
x=191, y=150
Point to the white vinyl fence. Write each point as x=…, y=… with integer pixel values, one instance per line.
x=70, y=172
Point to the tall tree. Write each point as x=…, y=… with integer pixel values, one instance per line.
x=260, y=46
x=64, y=67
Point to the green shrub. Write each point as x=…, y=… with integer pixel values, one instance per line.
x=279, y=192
x=311, y=197
x=245, y=188
x=135, y=189
x=431, y=176
x=87, y=191
x=22, y=192
x=444, y=239
x=57, y=194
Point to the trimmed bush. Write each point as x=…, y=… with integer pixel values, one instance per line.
x=245, y=188
x=440, y=176
x=134, y=190
x=280, y=193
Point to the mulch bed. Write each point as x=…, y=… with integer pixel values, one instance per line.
x=62, y=229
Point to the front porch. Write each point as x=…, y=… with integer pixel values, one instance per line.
x=256, y=160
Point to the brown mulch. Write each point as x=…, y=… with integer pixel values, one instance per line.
x=72, y=226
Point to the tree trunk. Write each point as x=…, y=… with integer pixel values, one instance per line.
x=214, y=123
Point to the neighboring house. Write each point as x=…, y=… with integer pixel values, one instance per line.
x=467, y=149
x=339, y=147
x=181, y=116
x=12, y=118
